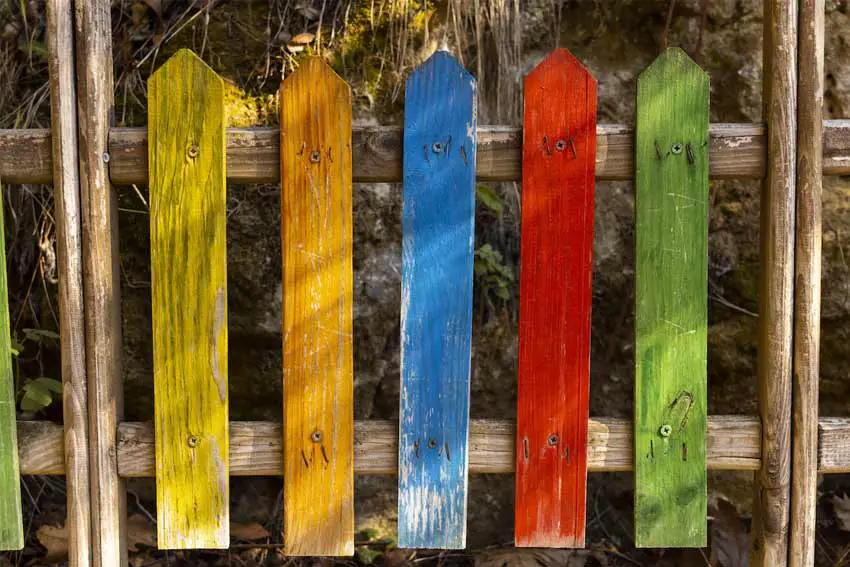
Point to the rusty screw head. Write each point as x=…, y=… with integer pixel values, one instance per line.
x=553, y=439
x=560, y=145
x=316, y=436
x=665, y=430
x=193, y=441
x=676, y=148
x=432, y=444
x=437, y=147
x=315, y=156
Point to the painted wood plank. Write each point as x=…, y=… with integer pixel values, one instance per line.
x=189, y=302
x=318, y=352
x=436, y=313
x=671, y=286
x=553, y=385
x=11, y=522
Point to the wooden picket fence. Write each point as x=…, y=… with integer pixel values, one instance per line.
x=186, y=155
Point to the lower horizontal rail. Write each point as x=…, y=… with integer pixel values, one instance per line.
x=255, y=447
x=734, y=443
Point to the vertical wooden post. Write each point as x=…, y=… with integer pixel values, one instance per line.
x=671, y=302
x=188, y=210
x=11, y=520
x=553, y=383
x=440, y=138
x=807, y=261
x=101, y=286
x=318, y=352
x=776, y=286
x=66, y=195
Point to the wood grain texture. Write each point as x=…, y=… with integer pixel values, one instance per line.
x=66, y=194
x=671, y=287
x=318, y=351
x=769, y=537
x=101, y=285
x=737, y=151
x=11, y=519
x=807, y=262
x=253, y=154
x=436, y=305
x=553, y=383
x=256, y=447
x=189, y=303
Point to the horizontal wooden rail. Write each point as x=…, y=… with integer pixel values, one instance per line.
x=253, y=154
x=255, y=447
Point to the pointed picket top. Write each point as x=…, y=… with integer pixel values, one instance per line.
x=188, y=209
x=315, y=67
x=559, y=58
x=444, y=61
x=672, y=62
x=553, y=379
x=185, y=60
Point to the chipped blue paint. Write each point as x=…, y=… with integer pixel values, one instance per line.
x=436, y=312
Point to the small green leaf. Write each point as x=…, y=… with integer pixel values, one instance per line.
x=489, y=198
x=49, y=384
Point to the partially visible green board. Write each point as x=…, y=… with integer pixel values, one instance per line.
x=671, y=290
x=11, y=525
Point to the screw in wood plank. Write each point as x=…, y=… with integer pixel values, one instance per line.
x=193, y=441
x=315, y=156
x=553, y=439
x=316, y=436
x=437, y=147
x=432, y=444
x=193, y=151
x=105, y=157
x=676, y=148
x=665, y=430
x=560, y=145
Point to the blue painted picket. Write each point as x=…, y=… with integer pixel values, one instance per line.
x=436, y=312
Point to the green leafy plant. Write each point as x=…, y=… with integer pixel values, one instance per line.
x=38, y=393
x=493, y=275
x=489, y=198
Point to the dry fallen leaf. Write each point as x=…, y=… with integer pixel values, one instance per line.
x=532, y=558
x=730, y=542
x=55, y=541
x=248, y=532
x=841, y=506
x=140, y=530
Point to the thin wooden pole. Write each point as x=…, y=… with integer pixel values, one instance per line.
x=776, y=290
x=102, y=289
x=807, y=291
x=66, y=194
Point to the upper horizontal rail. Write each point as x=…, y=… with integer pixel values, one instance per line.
x=253, y=154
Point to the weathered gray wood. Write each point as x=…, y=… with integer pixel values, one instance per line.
x=66, y=194
x=737, y=152
x=769, y=542
x=100, y=278
x=255, y=449
x=804, y=473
